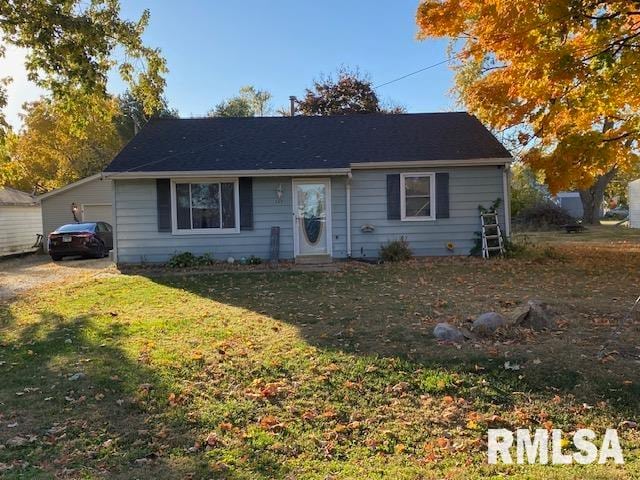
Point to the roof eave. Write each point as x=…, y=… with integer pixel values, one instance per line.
x=69, y=186
x=229, y=173
x=472, y=162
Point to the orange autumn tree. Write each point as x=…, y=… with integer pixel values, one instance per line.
x=561, y=76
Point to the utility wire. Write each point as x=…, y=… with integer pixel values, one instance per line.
x=447, y=60
x=412, y=73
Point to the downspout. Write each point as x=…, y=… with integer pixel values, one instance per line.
x=506, y=188
x=114, y=214
x=349, y=215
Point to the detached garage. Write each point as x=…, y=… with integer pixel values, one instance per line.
x=87, y=200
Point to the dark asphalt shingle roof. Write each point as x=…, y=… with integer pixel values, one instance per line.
x=265, y=143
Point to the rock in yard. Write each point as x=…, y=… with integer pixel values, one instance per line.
x=488, y=323
x=448, y=333
x=17, y=441
x=539, y=317
x=517, y=316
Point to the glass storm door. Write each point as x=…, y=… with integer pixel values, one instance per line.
x=312, y=216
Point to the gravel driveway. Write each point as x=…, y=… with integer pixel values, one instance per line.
x=18, y=275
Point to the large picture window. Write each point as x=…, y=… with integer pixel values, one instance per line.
x=417, y=196
x=206, y=207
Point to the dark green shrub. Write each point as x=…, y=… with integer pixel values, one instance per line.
x=544, y=215
x=253, y=260
x=396, y=251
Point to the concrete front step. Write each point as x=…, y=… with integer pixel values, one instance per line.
x=313, y=259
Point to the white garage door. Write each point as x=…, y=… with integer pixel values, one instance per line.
x=97, y=213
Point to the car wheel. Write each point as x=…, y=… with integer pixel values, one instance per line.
x=56, y=258
x=100, y=251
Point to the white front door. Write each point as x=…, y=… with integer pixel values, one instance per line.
x=312, y=216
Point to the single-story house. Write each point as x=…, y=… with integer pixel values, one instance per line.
x=87, y=200
x=337, y=186
x=20, y=222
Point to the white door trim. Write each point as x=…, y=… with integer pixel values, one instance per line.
x=296, y=243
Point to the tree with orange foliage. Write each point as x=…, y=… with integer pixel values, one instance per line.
x=562, y=76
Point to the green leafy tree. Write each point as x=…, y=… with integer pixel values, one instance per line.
x=132, y=116
x=74, y=44
x=526, y=189
x=348, y=93
x=249, y=102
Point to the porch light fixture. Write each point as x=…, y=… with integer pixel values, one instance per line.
x=279, y=192
x=74, y=211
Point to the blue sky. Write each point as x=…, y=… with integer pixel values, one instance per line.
x=215, y=47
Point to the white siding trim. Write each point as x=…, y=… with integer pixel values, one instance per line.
x=70, y=186
x=114, y=218
x=476, y=162
x=328, y=219
x=507, y=201
x=231, y=173
x=432, y=197
x=205, y=231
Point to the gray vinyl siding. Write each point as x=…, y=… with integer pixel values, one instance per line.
x=138, y=239
x=468, y=188
x=339, y=216
x=56, y=209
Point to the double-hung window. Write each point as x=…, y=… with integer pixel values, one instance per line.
x=207, y=206
x=417, y=196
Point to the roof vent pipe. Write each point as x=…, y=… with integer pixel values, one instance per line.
x=293, y=101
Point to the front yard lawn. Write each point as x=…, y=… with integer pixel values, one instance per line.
x=316, y=375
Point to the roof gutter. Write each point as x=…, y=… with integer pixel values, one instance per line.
x=230, y=173
x=474, y=162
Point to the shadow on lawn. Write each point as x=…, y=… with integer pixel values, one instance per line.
x=355, y=327
x=88, y=407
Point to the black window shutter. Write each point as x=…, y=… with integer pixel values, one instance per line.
x=393, y=197
x=246, y=202
x=442, y=195
x=163, y=195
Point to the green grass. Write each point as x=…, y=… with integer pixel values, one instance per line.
x=313, y=375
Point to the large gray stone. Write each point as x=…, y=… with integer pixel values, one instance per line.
x=448, y=333
x=517, y=316
x=539, y=316
x=488, y=323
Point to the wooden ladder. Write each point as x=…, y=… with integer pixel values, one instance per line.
x=492, y=241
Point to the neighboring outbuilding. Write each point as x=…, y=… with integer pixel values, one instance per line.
x=334, y=187
x=20, y=222
x=634, y=204
x=571, y=202
x=86, y=200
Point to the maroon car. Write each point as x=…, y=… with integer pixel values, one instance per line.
x=93, y=239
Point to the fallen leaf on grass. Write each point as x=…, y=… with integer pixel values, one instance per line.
x=269, y=422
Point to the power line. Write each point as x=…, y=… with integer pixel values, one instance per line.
x=412, y=73
x=447, y=60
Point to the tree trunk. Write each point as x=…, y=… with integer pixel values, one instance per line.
x=593, y=197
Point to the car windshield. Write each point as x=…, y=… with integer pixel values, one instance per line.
x=77, y=227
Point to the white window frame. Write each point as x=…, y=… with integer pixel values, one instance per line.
x=205, y=231
x=432, y=197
